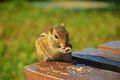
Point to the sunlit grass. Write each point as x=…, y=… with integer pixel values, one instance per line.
x=21, y=24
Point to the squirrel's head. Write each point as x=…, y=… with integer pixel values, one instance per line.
x=59, y=37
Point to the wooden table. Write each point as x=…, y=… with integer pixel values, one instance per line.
x=87, y=64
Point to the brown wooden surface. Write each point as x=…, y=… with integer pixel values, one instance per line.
x=67, y=71
x=113, y=46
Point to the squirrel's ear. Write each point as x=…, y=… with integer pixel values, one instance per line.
x=62, y=24
x=50, y=29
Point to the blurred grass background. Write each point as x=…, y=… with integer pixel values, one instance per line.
x=21, y=24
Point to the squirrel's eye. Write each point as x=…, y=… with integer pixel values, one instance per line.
x=56, y=36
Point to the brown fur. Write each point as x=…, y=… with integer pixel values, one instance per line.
x=49, y=48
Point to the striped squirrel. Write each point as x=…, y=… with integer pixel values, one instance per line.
x=53, y=44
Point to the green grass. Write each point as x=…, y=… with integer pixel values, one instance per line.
x=21, y=24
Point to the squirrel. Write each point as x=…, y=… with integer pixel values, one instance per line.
x=53, y=44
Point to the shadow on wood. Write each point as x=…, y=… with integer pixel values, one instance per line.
x=99, y=59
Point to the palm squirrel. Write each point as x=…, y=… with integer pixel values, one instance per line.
x=53, y=44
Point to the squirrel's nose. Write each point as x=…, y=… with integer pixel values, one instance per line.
x=68, y=50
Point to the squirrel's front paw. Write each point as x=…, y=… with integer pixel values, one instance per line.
x=65, y=50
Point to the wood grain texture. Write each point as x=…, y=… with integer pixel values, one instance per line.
x=66, y=71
